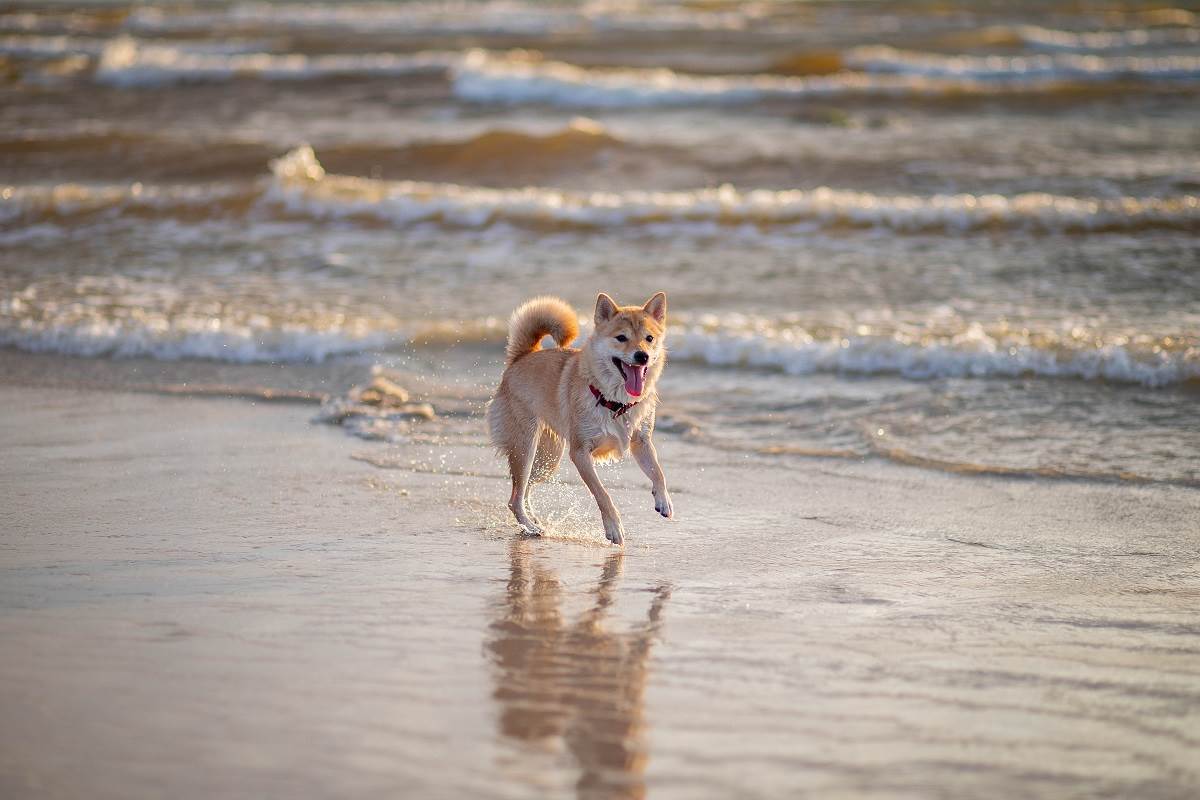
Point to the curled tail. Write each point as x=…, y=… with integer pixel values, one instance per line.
x=541, y=316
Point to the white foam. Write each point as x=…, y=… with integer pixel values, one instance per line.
x=1072, y=41
x=38, y=202
x=517, y=78
x=971, y=353
x=485, y=77
x=238, y=346
x=302, y=187
x=123, y=318
x=452, y=17
x=57, y=46
x=50, y=46
x=1023, y=69
x=497, y=16
x=128, y=63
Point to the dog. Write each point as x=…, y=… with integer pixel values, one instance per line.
x=596, y=402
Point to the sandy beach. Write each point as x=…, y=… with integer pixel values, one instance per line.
x=207, y=597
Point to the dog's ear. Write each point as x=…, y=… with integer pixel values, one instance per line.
x=606, y=309
x=657, y=306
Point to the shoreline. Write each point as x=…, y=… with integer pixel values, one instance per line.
x=311, y=384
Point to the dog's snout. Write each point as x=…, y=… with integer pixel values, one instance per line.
x=641, y=357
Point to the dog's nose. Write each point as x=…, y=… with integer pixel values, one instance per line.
x=641, y=357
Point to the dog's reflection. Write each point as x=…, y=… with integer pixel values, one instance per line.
x=574, y=681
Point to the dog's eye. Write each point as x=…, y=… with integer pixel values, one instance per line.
x=649, y=338
x=622, y=337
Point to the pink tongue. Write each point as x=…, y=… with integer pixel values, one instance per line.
x=635, y=380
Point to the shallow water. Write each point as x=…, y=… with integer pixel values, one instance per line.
x=208, y=597
x=960, y=240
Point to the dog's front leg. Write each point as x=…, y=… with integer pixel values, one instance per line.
x=647, y=458
x=581, y=457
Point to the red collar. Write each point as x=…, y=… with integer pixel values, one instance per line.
x=616, y=408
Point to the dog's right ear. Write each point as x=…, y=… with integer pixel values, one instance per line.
x=606, y=309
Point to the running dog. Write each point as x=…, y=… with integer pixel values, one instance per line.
x=597, y=402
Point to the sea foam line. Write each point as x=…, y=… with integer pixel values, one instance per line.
x=139, y=330
x=517, y=78
x=493, y=17
x=486, y=77
x=58, y=46
x=300, y=187
x=127, y=63
x=1072, y=41
x=242, y=346
x=1027, y=69
x=974, y=354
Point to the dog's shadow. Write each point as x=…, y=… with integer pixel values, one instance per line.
x=577, y=683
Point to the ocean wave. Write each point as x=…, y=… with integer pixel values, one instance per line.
x=518, y=77
x=36, y=204
x=501, y=17
x=96, y=153
x=972, y=352
x=241, y=346
x=127, y=63
x=50, y=46
x=579, y=139
x=117, y=317
x=1088, y=41
x=453, y=18
x=122, y=318
x=59, y=46
x=485, y=77
x=301, y=187
x=1037, y=68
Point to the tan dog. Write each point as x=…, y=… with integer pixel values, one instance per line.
x=597, y=402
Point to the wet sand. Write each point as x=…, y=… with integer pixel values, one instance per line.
x=206, y=597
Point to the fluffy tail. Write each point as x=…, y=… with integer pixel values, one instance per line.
x=541, y=316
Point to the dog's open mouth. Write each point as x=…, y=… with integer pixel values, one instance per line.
x=635, y=377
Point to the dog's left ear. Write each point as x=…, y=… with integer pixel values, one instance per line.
x=657, y=306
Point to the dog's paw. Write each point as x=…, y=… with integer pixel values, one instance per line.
x=662, y=503
x=531, y=530
x=613, y=531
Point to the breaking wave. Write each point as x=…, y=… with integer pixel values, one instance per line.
x=883, y=71
x=301, y=187
x=122, y=318
x=50, y=46
x=518, y=78
x=451, y=17
x=1071, y=41
x=184, y=341
x=58, y=46
x=974, y=351
x=1061, y=67
x=128, y=63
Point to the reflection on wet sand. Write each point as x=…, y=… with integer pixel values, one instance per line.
x=575, y=682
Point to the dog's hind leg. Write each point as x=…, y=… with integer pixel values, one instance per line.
x=545, y=464
x=521, y=452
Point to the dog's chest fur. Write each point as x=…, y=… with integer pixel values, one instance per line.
x=610, y=436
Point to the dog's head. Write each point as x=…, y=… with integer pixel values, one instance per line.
x=628, y=342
